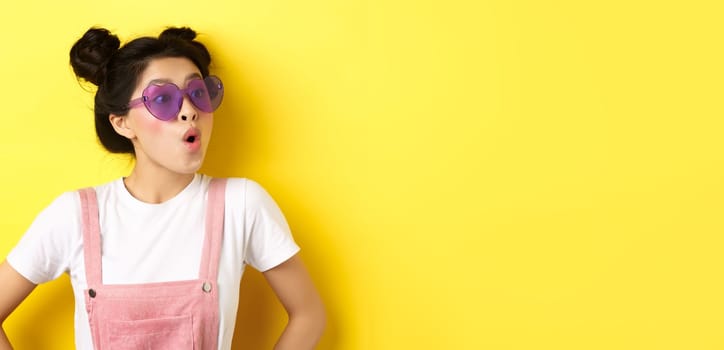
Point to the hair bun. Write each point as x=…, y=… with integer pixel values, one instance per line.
x=183, y=33
x=89, y=54
x=187, y=35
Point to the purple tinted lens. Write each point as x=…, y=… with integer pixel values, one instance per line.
x=215, y=89
x=163, y=101
x=199, y=95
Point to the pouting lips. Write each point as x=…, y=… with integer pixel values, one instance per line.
x=192, y=135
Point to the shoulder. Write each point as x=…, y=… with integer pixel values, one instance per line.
x=107, y=189
x=61, y=218
x=62, y=205
x=248, y=196
x=245, y=189
x=67, y=206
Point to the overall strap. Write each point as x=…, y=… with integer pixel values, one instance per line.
x=91, y=236
x=214, y=234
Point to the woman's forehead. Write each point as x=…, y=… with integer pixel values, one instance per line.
x=175, y=70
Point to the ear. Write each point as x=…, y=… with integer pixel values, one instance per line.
x=121, y=125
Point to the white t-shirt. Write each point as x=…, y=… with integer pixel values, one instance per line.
x=144, y=243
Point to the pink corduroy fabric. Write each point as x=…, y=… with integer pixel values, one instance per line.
x=175, y=315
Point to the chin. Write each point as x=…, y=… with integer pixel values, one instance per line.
x=193, y=170
x=189, y=168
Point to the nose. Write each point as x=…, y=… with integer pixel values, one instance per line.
x=188, y=111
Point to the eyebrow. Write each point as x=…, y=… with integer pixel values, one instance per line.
x=168, y=81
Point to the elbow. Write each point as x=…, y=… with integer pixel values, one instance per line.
x=317, y=321
x=312, y=319
x=3, y=317
x=321, y=321
x=321, y=315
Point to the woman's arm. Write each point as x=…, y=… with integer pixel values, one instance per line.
x=294, y=288
x=15, y=289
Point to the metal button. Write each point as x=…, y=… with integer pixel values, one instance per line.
x=206, y=287
x=92, y=293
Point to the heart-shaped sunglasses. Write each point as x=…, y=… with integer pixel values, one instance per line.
x=164, y=100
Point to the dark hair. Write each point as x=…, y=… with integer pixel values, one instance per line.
x=98, y=58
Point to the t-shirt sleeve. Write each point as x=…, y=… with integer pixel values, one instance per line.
x=43, y=252
x=270, y=241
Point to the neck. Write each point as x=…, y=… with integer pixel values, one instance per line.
x=156, y=186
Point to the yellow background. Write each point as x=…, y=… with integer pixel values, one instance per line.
x=500, y=174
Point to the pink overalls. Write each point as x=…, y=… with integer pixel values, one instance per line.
x=160, y=316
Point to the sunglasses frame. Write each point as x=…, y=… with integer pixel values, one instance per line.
x=209, y=81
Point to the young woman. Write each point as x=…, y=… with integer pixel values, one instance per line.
x=155, y=258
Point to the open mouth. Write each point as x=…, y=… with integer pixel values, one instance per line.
x=192, y=135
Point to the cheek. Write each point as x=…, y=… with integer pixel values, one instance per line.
x=207, y=127
x=151, y=132
x=208, y=123
x=150, y=125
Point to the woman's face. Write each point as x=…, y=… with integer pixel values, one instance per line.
x=178, y=145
